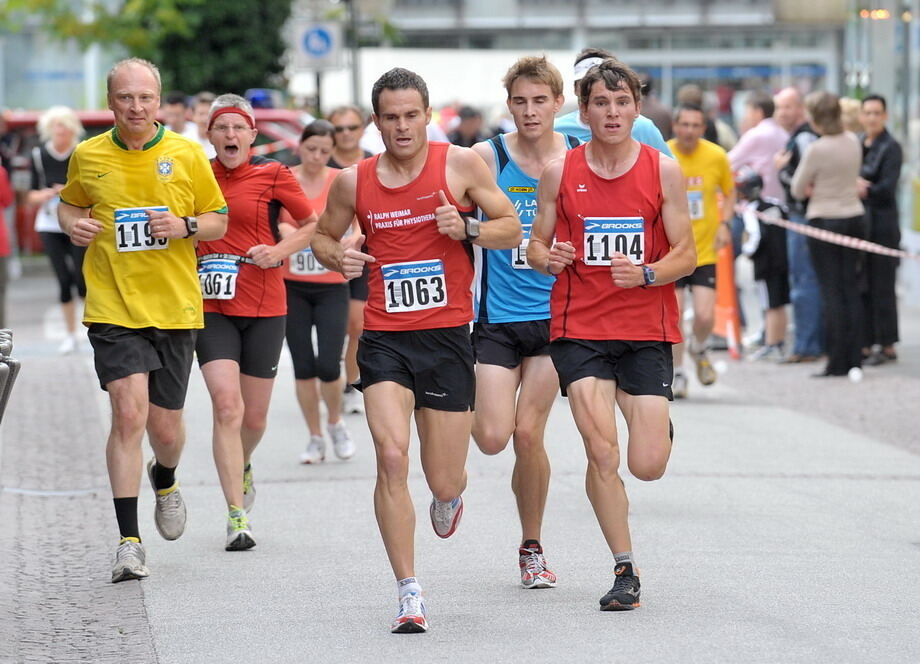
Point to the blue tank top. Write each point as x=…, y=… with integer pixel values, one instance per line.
x=507, y=289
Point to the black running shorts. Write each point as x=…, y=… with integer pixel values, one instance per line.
x=507, y=344
x=166, y=355
x=704, y=275
x=253, y=343
x=437, y=365
x=357, y=287
x=638, y=367
x=774, y=290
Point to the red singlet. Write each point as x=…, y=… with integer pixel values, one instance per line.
x=600, y=216
x=303, y=265
x=421, y=279
x=255, y=193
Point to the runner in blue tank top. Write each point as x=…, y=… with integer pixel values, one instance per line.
x=515, y=380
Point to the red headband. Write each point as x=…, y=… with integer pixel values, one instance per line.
x=231, y=109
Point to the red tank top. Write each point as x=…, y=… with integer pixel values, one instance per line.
x=303, y=265
x=421, y=279
x=599, y=217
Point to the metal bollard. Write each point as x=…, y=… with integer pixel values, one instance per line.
x=9, y=369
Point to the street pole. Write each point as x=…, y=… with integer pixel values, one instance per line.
x=319, y=93
x=355, y=64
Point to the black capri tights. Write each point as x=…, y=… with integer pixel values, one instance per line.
x=325, y=307
x=67, y=260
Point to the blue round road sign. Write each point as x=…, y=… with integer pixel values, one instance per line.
x=317, y=42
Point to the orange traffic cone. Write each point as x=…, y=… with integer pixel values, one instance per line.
x=727, y=318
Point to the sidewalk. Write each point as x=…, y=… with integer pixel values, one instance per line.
x=785, y=529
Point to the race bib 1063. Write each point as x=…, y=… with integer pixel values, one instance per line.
x=304, y=263
x=132, y=229
x=414, y=286
x=218, y=278
x=605, y=236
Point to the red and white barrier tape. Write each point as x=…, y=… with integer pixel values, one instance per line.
x=835, y=238
x=268, y=148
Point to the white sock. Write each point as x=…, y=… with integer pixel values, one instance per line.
x=408, y=585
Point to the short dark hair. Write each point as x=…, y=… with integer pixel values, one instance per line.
x=468, y=113
x=876, y=97
x=615, y=75
x=398, y=79
x=688, y=107
x=824, y=110
x=591, y=52
x=318, y=128
x=204, y=97
x=346, y=108
x=762, y=101
x=176, y=97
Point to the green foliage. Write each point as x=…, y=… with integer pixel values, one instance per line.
x=221, y=46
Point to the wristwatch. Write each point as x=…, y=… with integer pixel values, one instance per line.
x=649, y=275
x=472, y=228
x=191, y=226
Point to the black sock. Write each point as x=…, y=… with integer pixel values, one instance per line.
x=532, y=544
x=163, y=477
x=126, y=514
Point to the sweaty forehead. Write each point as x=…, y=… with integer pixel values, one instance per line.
x=134, y=77
x=400, y=101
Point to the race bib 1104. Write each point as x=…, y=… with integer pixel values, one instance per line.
x=132, y=230
x=605, y=236
x=414, y=286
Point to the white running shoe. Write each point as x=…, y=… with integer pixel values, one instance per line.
x=679, y=387
x=239, y=533
x=412, y=617
x=352, y=402
x=445, y=516
x=342, y=443
x=69, y=345
x=169, y=515
x=316, y=450
x=130, y=560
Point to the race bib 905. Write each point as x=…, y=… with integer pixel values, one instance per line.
x=605, y=236
x=414, y=286
x=132, y=230
x=304, y=263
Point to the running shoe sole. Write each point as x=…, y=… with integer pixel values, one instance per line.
x=543, y=583
x=126, y=574
x=241, y=542
x=616, y=606
x=411, y=626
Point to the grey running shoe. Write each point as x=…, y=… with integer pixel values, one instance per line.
x=316, y=450
x=249, y=491
x=705, y=372
x=445, y=516
x=239, y=534
x=169, y=514
x=679, y=387
x=342, y=443
x=130, y=560
x=412, y=616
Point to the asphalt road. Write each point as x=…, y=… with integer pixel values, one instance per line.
x=786, y=529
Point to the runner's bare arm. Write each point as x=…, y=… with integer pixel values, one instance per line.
x=294, y=239
x=542, y=253
x=724, y=233
x=681, y=259
x=211, y=225
x=487, y=154
x=337, y=217
x=503, y=231
x=76, y=222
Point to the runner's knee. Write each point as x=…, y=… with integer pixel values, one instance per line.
x=603, y=455
x=228, y=410
x=647, y=470
x=490, y=439
x=392, y=463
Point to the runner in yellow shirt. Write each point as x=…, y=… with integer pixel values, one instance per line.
x=708, y=174
x=139, y=196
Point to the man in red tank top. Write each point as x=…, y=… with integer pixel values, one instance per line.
x=618, y=211
x=415, y=353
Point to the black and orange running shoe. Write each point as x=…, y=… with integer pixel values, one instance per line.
x=624, y=596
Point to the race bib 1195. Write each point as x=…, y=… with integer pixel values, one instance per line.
x=132, y=230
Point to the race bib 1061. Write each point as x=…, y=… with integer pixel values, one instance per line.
x=218, y=278
x=414, y=286
x=304, y=263
x=605, y=236
x=132, y=229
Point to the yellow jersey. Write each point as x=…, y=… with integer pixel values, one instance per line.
x=707, y=173
x=133, y=279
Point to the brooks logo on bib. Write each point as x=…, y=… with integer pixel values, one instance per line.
x=605, y=236
x=305, y=263
x=414, y=286
x=218, y=278
x=132, y=229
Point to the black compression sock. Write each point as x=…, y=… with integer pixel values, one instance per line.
x=163, y=477
x=126, y=514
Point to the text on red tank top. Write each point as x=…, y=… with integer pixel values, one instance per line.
x=600, y=217
x=420, y=279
